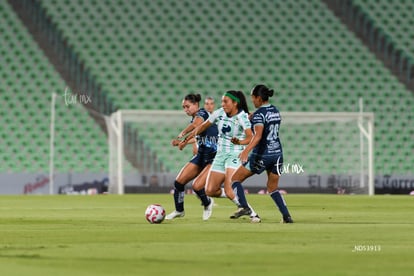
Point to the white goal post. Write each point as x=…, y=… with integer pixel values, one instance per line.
x=333, y=143
x=116, y=138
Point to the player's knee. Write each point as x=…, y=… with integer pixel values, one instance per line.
x=209, y=191
x=212, y=191
x=197, y=185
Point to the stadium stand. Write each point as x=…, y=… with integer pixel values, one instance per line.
x=387, y=25
x=148, y=54
x=28, y=80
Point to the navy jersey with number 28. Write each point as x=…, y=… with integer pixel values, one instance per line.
x=268, y=116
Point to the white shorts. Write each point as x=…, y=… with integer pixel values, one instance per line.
x=225, y=160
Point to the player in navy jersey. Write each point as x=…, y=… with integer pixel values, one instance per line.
x=200, y=163
x=265, y=151
x=209, y=106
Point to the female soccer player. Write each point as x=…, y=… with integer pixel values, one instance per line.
x=209, y=106
x=200, y=162
x=266, y=151
x=234, y=133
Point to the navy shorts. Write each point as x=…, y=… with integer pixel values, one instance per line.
x=202, y=159
x=258, y=163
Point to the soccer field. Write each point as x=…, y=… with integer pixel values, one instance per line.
x=108, y=235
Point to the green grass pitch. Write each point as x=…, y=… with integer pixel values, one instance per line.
x=108, y=235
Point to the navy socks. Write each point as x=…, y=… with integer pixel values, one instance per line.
x=179, y=196
x=203, y=197
x=239, y=192
x=280, y=202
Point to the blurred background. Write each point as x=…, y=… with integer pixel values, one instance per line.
x=98, y=57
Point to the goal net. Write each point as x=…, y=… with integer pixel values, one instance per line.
x=139, y=141
x=323, y=151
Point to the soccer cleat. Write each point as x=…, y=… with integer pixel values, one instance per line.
x=208, y=210
x=286, y=220
x=175, y=214
x=255, y=219
x=242, y=211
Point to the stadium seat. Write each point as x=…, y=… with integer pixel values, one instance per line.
x=26, y=102
x=148, y=57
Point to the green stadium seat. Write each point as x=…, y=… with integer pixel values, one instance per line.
x=308, y=51
x=27, y=96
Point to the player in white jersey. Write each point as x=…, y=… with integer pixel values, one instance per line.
x=235, y=132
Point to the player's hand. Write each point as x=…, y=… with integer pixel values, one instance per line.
x=235, y=141
x=181, y=135
x=182, y=144
x=175, y=142
x=244, y=156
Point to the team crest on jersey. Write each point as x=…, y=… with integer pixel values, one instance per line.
x=226, y=128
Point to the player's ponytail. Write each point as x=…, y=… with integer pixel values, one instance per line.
x=243, y=102
x=193, y=98
x=262, y=91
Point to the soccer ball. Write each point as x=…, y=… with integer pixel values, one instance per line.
x=155, y=213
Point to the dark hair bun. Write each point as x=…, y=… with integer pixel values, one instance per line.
x=197, y=97
x=270, y=92
x=262, y=91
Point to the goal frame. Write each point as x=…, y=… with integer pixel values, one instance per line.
x=115, y=128
x=115, y=125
